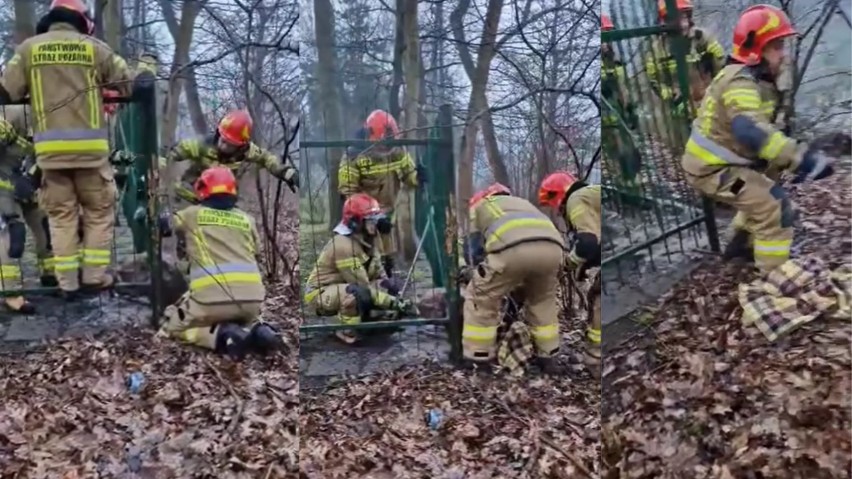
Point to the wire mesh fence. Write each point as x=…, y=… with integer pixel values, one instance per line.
x=422, y=273
x=652, y=79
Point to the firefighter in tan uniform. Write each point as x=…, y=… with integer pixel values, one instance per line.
x=705, y=58
x=580, y=205
x=734, y=140
x=347, y=279
x=221, y=309
x=515, y=249
x=19, y=210
x=230, y=146
x=63, y=69
x=382, y=172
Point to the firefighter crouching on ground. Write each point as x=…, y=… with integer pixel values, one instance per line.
x=734, y=140
x=515, y=249
x=382, y=172
x=221, y=309
x=19, y=210
x=705, y=58
x=580, y=205
x=63, y=69
x=230, y=146
x=347, y=279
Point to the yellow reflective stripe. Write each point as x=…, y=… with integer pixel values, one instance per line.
x=351, y=320
x=93, y=92
x=772, y=247
x=350, y=263
x=493, y=208
x=72, y=146
x=188, y=335
x=10, y=271
x=310, y=296
x=742, y=97
x=6, y=185
x=485, y=334
x=66, y=263
x=225, y=278
x=519, y=223
x=381, y=299
x=375, y=169
x=37, y=99
x=715, y=49
x=594, y=335
x=704, y=155
x=95, y=257
x=549, y=331
x=773, y=146
x=666, y=93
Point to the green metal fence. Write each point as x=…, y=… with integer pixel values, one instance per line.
x=650, y=212
x=434, y=222
x=133, y=130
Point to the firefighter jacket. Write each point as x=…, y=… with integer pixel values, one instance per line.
x=705, y=58
x=378, y=175
x=735, y=126
x=583, y=216
x=345, y=259
x=63, y=72
x=504, y=221
x=613, y=89
x=202, y=153
x=14, y=145
x=222, y=249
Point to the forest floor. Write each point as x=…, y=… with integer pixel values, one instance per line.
x=694, y=393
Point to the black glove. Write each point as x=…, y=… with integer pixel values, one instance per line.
x=392, y=286
x=363, y=300
x=815, y=165
x=17, y=235
x=164, y=223
x=422, y=176
x=25, y=188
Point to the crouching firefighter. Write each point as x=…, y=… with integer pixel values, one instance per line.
x=221, y=309
x=516, y=250
x=580, y=205
x=19, y=210
x=735, y=152
x=347, y=279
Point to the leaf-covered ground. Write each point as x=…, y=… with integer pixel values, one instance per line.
x=375, y=426
x=696, y=395
x=66, y=411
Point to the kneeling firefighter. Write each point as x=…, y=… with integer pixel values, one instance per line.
x=580, y=205
x=516, y=250
x=221, y=309
x=348, y=279
x=735, y=152
x=19, y=210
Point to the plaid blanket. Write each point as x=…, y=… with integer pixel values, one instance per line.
x=796, y=293
x=515, y=348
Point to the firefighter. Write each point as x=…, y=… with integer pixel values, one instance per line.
x=221, y=309
x=19, y=210
x=515, y=250
x=62, y=69
x=347, y=279
x=617, y=143
x=580, y=205
x=704, y=59
x=382, y=172
x=734, y=140
x=230, y=146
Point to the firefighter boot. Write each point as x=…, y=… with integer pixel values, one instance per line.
x=232, y=341
x=484, y=368
x=49, y=281
x=550, y=366
x=739, y=247
x=388, y=265
x=263, y=340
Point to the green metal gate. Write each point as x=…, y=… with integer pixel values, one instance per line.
x=649, y=209
x=434, y=222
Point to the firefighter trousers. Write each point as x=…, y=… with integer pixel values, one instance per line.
x=36, y=220
x=196, y=324
x=335, y=300
x=528, y=270
x=763, y=209
x=68, y=196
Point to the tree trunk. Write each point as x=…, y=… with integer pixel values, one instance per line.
x=329, y=96
x=394, y=107
x=24, y=20
x=113, y=24
x=411, y=66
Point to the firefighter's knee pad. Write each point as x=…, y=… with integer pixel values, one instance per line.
x=17, y=235
x=788, y=213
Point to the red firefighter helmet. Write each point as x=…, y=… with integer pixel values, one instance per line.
x=494, y=189
x=110, y=108
x=553, y=189
x=215, y=181
x=235, y=128
x=682, y=6
x=380, y=125
x=606, y=23
x=757, y=26
x=359, y=207
x=80, y=6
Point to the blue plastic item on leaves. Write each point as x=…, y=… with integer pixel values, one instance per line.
x=434, y=418
x=135, y=382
